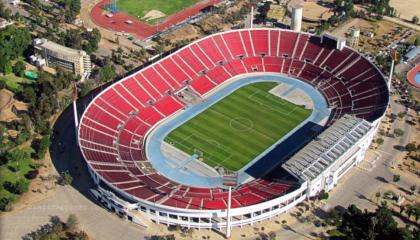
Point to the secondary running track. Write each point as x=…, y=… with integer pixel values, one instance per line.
x=413, y=76
x=140, y=29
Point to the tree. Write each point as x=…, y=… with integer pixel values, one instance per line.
x=6, y=204
x=401, y=115
x=402, y=209
x=379, y=141
x=323, y=195
x=19, y=68
x=13, y=43
x=411, y=147
x=66, y=178
x=29, y=95
x=377, y=225
x=72, y=222
x=21, y=186
x=417, y=41
x=415, y=19
x=107, y=73
x=398, y=132
x=41, y=146
x=396, y=178
x=7, y=69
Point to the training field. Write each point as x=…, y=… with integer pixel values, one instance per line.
x=139, y=8
x=239, y=127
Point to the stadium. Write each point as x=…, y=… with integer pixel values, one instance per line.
x=232, y=129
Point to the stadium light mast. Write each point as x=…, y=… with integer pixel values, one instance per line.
x=229, y=179
x=252, y=17
x=391, y=70
x=228, y=222
x=76, y=117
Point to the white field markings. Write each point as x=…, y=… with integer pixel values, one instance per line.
x=266, y=94
x=206, y=156
x=230, y=119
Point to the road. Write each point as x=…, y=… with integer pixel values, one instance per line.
x=402, y=22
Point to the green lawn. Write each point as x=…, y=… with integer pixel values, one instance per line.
x=139, y=8
x=14, y=171
x=239, y=127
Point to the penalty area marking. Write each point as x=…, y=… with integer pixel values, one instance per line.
x=282, y=102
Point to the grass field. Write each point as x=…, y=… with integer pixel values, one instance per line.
x=14, y=171
x=139, y=8
x=13, y=82
x=239, y=127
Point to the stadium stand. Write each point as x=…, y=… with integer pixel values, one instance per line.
x=115, y=125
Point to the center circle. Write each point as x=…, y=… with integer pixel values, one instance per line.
x=241, y=124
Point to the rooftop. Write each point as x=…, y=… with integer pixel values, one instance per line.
x=412, y=53
x=45, y=43
x=312, y=160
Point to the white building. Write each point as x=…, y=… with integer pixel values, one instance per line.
x=59, y=56
x=330, y=155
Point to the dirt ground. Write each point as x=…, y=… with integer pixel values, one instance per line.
x=6, y=98
x=6, y=105
x=180, y=34
x=153, y=14
x=406, y=9
x=276, y=12
x=314, y=10
x=369, y=45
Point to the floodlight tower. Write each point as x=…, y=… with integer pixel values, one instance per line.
x=76, y=117
x=114, y=6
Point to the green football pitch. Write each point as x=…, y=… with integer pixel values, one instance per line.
x=139, y=8
x=238, y=128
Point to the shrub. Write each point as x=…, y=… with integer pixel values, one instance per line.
x=32, y=174
x=379, y=141
x=396, y=178
x=19, y=68
x=398, y=132
x=323, y=195
x=5, y=204
x=71, y=222
x=65, y=178
x=21, y=186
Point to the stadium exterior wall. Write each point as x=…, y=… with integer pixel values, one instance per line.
x=209, y=219
x=335, y=172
